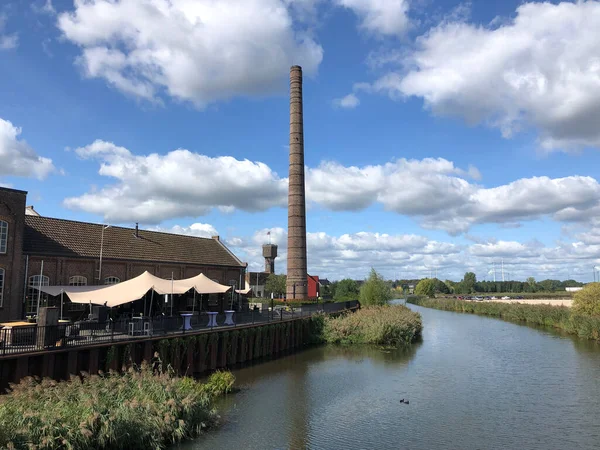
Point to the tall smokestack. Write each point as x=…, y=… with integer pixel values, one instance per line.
x=297, y=283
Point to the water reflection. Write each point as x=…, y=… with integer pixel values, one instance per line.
x=296, y=400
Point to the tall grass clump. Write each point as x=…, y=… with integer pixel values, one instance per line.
x=561, y=317
x=392, y=325
x=134, y=410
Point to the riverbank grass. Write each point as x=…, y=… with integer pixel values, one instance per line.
x=560, y=317
x=390, y=326
x=134, y=410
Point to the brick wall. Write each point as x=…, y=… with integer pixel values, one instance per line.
x=12, y=211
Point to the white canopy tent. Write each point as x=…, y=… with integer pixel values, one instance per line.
x=202, y=285
x=57, y=290
x=134, y=289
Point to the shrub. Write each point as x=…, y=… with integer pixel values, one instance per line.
x=219, y=383
x=586, y=302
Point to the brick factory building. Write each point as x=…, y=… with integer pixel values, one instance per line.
x=79, y=253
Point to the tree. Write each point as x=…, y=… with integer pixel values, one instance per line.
x=375, y=290
x=451, y=286
x=425, y=287
x=346, y=289
x=587, y=301
x=441, y=287
x=531, y=283
x=325, y=291
x=275, y=284
x=468, y=283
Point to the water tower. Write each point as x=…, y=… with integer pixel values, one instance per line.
x=269, y=253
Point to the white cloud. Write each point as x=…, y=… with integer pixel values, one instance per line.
x=43, y=7
x=201, y=51
x=350, y=101
x=7, y=41
x=152, y=188
x=204, y=230
x=540, y=70
x=384, y=17
x=507, y=249
x=437, y=193
x=415, y=256
x=18, y=158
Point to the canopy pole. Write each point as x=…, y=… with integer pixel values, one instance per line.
x=40, y=289
x=151, y=301
x=171, y=294
x=145, y=296
x=61, y=304
x=194, y=303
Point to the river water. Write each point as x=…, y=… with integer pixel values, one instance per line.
x=473, y=383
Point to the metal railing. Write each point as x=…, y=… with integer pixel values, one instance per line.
x=34, y=338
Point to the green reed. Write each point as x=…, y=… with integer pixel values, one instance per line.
x=560, y=317
x=134, y=410
x=392, y=325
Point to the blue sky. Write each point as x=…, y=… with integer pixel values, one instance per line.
x=439, y=135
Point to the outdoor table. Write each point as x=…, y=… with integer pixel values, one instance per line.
x=186, y=321
x=229, y=318
x=212, y=319
x=136, y=325
x=67, y=324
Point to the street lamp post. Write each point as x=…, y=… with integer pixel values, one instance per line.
x=104, y=227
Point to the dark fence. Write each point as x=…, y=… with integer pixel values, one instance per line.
x=26, y=339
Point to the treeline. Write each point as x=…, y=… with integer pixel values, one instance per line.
x=470, y=285
x=524, y=286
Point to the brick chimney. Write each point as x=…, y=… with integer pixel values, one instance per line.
x=296, y=258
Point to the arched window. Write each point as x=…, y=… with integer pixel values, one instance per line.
x=112, y=280
x=2, y=287
x=33, y=294
x=77, y=280
x=3, y=236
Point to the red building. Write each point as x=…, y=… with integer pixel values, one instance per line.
x=313, y=287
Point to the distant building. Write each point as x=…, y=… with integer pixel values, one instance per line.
x=313, y=287
x=573, y=289
x=325, y=282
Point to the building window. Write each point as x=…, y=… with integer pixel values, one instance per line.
x=3, y=236
x=2, y=287
x=77, y=280
x=112, y=280
x=33, y=293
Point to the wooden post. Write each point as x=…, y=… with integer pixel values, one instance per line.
x=48, y=365
x=93, y=361
x=22, y=368
x=214, y=347
x=148, y=351
x=72, y=363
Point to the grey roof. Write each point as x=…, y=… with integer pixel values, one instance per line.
x=59, y=237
